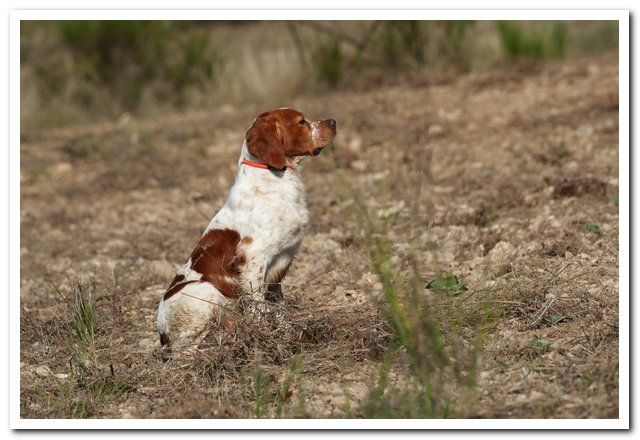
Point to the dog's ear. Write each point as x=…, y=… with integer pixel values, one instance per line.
x=265, y=141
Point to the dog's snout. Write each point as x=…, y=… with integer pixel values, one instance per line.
x=332, y=123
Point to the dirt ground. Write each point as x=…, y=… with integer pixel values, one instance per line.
x=507, y=179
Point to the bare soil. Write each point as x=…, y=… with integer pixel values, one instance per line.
x=508, y=179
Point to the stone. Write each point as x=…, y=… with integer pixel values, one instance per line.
x=43, y=371
x=502, y=252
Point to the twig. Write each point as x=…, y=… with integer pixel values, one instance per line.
x=546, y=307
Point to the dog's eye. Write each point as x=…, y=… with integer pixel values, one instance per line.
x=302, y=122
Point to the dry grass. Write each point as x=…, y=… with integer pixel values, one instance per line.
x=505, y=179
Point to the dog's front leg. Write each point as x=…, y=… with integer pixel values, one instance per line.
x=252, y=279
x=263, y=293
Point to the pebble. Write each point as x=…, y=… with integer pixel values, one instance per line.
x=43, y=371
x=355, y=144
x=359, y=165
x=63, y=167
x=435, y=130
x=536, y=395
x=533, y=246
x=501, y=252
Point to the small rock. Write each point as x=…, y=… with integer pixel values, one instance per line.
x=359, y=165
x=520, y=398
x=533, y=246
x=43, y=371
x=595, y=291
x=335, y=234
x=502, y=252
x=63, y=167
x=126, y=414
x=536, y=395
x=355, y=144
x=533, y=198
x=435, y=130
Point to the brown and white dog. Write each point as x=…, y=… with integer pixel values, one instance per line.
x=250, y=243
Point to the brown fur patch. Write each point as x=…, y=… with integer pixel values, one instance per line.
x=176, y=285
x=215, y=258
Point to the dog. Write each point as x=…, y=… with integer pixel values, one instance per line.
x=249, y=245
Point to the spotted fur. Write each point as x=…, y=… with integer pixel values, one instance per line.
x=249, y=244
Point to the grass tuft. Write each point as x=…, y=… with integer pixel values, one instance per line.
x=433, y=337
x=536, y=43
x=594, y=228
x=130, y=60
x=88, y=383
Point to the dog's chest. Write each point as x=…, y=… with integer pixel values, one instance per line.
x=284, y=215
x=271, y=210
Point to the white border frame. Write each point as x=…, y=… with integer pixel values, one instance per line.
x=622, y=16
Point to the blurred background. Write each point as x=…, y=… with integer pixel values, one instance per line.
x=75, y=72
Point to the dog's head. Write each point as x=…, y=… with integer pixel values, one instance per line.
x=278, y=135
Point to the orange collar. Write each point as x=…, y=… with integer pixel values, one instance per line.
x=264, y=166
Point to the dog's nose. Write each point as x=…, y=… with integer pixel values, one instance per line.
x=332, y=123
